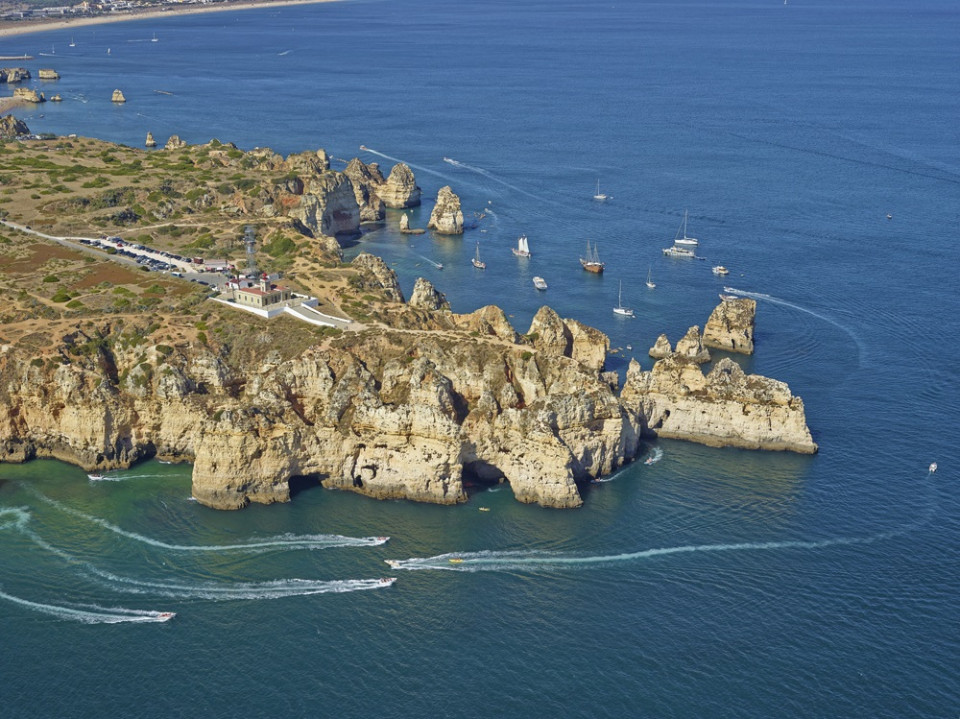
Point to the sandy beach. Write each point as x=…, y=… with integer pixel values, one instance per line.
x=8, y=30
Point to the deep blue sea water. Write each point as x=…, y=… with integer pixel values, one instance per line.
x=822, y=586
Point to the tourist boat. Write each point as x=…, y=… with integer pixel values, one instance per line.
x=678, y=252
x=166, y=616
x=650, y=282
x=620, y=309
x=393, y=562
x=681, y=238
x=599, y=197
x=95, y=477
x=484, y=509
x=539, y=283
x=477, y=262
x=386, y=581
x=523, y=247
x=456, y=560
x=933, y=467
x=591, y=261
x=649, y=460
x=721, y=270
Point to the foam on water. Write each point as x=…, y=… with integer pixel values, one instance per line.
x=92, y=615
x=281, y=541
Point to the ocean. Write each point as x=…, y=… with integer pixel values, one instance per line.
x=816, y=149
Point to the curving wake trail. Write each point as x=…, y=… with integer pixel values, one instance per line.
x=494, y=561
x=93, y=615
x=281, y=541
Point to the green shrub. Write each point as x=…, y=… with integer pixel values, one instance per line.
x=51, y=278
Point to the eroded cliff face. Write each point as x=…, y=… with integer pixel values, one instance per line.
x=730, y=326
x=723, y=408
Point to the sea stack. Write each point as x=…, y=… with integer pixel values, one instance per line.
x=400, y=190
x=730, y=326
x=46, y=73
x=118, y=96
x=150, y=141
x=447, y=217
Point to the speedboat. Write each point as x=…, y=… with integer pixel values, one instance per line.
x=382, y=539
x=649, y=460
x=166, y=616
x=386, y=581
x=721, y=270
x=393, y=562
x=539, y=283
x=933, y=467
x=484, y=509
x=94, y=477
x=728, y=298
x=456, y=560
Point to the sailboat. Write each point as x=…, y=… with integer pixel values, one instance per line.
x=599, y=197
x=154, y=38
x=620, y=309
x=477, y=262
x=72, y=43
x=591, y=261
x=681, y=238
x=650, y=282
x=523, y=247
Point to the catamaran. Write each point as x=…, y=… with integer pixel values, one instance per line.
x=523, y=247
x=477, y=262
x=620, y=309
x=591, y=260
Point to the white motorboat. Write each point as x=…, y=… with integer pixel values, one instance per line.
x=678, y=252
x=721, y=270
x=539, y=283
x=933, y=467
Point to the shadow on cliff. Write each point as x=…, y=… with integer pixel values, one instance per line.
x=303, y=482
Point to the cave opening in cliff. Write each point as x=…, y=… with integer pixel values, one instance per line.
x=302, y=482
x=480, y=475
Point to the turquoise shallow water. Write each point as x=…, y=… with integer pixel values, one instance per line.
x=801, y=586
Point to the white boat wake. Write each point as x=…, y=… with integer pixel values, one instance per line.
x=497, y=561
x=281, y=541
x=656, y=454
x=785, y=303
x=396, y=159
x=438, y=265
x=490, y=176
x=93, y=615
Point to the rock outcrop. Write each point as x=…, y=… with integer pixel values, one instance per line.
x=373, y=274
x=175, y=143
x=365, y=179
x=10, y=127
x=661, y=348
x=118, y=96
x=150, y=142
x=690, y=346
x=14, y=74
x=46, y=73
x=28, y=94
x=426, y=297
x=446, y=217
x=724, y=408
x=731, y=325
x=400, y=190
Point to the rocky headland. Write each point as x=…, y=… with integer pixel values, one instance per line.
x=415, y=403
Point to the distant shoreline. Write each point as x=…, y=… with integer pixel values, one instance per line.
x=9, y=30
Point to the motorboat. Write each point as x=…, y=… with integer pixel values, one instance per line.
x=166, y=616
x=393, y=562
x=679, y=252
x=933, y=467
x=386, y=581
x=95, y=477
x=721, y=270
x=456, y=560
x=539, y=283
x=728, y=298
x=484, y=509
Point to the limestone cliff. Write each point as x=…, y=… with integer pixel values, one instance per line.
x=388, y=413
x=691, y=346
x=366, y=179
x=724, y=408
x=10, y=126
x=446, y=217
x=731, y=324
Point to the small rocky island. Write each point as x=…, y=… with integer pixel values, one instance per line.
x=412, y=402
